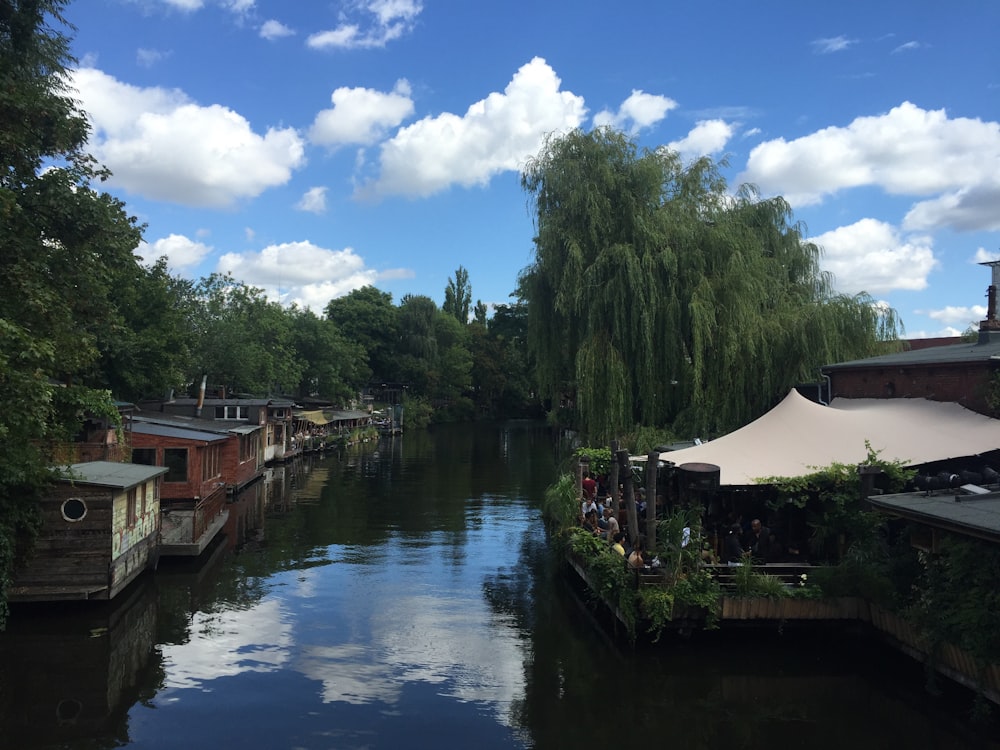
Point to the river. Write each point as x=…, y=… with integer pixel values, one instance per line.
x=402, y=595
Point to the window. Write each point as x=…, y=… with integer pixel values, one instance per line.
x=130, y=512
x=231, y=412
x=144, y=456
x=74, y=509
x=176, y=461
x=210, y=462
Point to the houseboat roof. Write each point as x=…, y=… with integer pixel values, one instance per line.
x=170, y=431
x=111, y=474
x=972, y=514
x=216, y=426
x=986, y=348
x=325, y=416
x=798, y=437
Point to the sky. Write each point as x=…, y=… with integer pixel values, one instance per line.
x=310, y=148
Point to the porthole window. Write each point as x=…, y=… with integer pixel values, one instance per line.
x=74, y=509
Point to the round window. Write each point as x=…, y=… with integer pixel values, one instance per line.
x=74, y=509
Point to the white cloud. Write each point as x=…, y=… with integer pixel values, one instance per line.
x=147, y=58
x=313, y=201
x=381, y=21
x=832, y=44
x=497, y=134
x=304, y=273
x=159, y=144
x=955, y=315
x=906, y=151
x=966, y=210
x=871, y=256
x=907, y=47
x=185, y=5
x=272, y=29
x=751, y=132
x=986, y=256
x=707, y=137
x=640, y=110
x=181, y=253
x=361, y=116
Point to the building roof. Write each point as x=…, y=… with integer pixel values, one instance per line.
x=143, y=427
x=216, y=426
x=798, y=437
x=983, y=350
x=111, y=474
x=971, y=514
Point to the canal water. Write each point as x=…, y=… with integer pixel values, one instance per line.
x=402, y=595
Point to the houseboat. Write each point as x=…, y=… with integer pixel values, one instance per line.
x=100, y=530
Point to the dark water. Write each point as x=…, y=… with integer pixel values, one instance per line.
x=403, y=597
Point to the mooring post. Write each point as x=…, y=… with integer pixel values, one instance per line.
x=626, y=479
x=652, y=464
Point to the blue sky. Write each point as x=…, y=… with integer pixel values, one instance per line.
x=312, y=147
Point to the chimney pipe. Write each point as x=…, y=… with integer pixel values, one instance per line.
x=201, y=396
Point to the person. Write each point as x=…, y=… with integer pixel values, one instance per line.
x=758, y=542
x=610, y=523
x=732, y=548
x=590, y=522
x=618, y=546
x=638, y=558
x=586, y=506
x=589, y=486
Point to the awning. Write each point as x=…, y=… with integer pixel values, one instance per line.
x=798, y=437
x=316, y=416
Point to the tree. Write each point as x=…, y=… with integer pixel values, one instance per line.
x=65, y=245
x=458, y=296
x=655, y=297
x=244, y=341
x=333, y=367
x=368, y=317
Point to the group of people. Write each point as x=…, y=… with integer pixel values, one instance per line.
x=601, y=519
x=755, y=542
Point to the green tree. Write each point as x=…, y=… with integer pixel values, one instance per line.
x=245, y=341
x=368, y=316
x=655, y=297
x=458, y=296
x=333, y=367
x=65, y=245
x=417, y=352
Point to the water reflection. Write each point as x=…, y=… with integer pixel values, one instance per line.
x=403, y=596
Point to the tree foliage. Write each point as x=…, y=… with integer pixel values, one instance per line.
x=458, y=296
x=656, y=297
x=65, y=247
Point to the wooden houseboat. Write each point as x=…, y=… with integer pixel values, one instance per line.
x=193, y=493
x=100, y=531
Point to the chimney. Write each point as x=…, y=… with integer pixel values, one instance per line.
x=991, y=323
x=201, y=396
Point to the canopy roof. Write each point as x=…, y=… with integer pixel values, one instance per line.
x=799, y=436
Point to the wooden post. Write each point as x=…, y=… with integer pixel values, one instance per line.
x=633, y=519
x=616, y=496
x=652, y=463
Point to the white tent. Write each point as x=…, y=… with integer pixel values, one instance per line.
x=799, y=436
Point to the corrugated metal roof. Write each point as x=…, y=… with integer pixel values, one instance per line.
x=214, y=426
x=112, y=474
x=975, y=515
x=181, y=433
x=963, y=353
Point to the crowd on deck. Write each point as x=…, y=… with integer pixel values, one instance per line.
x=598, y=515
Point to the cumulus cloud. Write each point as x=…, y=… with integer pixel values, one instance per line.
x=361, y=116
x=161, y=145
x=304, y=273
x=272, y=30
x=373, y=23
x=640, y=110
x=313, y=201
x=707, y=137
x=181, y=252
x=906, y=151
x=986, y=256
x=966, y=210
x=871, y=256
x=957, y=316
x=832, y=44
x=497, y=134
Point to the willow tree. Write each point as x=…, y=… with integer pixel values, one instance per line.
x=656, y=297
